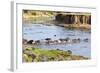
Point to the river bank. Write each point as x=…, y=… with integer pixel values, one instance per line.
x=75, y=26
x=34, y=54
x=73, y=20
x=55, y=23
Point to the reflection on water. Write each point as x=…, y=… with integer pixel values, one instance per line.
x=40, y=32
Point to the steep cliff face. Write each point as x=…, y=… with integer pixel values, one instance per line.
x=73, y=18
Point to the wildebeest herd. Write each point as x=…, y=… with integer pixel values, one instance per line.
x=58, y=41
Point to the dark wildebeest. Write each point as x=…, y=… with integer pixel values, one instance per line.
x=37, y=42
x=30, y=42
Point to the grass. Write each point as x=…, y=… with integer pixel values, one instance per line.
x=41, y=55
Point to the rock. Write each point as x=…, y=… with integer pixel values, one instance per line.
x=30, y=54
x=68, y=58
x=74, y=57
x=58, y=49
x=51, y=58
x=28, y=49
x=24, y=41
x=69, y=52
x=25, y=58
x=42, y=58
x=60, y=58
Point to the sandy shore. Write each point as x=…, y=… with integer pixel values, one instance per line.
x=78, y=26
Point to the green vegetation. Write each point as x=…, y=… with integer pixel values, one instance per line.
x=41, y=55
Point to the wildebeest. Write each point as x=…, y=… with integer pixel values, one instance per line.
x=86, y=40
x=37, y=42
x=48, y=39
x=55, y=35
x=30, y=42
x=76, y=40
x=65, y=40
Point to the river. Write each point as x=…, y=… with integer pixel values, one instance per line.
x=41, y=32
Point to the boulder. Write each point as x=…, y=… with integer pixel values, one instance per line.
x=24, y=41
